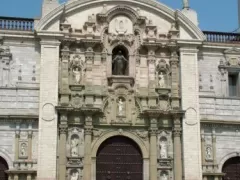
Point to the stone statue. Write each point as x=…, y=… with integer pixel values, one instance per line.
x=163, y=149
x=23, y=150
x=185, y=4
x=74, y=146
x=161, y=80
x=75, y=175
x=77, y=74
x=164, y=176
x=208, y=153
x=120, y=107
x=119, y=64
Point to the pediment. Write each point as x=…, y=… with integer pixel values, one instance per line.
x=138, y=11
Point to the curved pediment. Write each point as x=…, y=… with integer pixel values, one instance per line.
x=76, y=14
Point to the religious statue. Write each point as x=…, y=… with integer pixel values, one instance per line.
x=75, y=175
x=77, y=74
x=161, y=80
x=164, y=176
x=208, y=153
x=120, y=107
x=119, y=64
x=74, y=146
x=185, y=4
x=23, y=150
x=163, y=149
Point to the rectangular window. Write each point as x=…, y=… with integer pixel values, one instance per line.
x=233, y=84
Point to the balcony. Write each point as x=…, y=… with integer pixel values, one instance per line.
x=17, y=24
x=222, y=37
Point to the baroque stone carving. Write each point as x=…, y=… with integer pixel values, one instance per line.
x=76, y=142
x=164, y=175
x=208, y=153
x=120, y=64
x=23, y=150
x=75, y=174
x=163, y=148
x=74, y=145
x=121, y=107
x=162, y=74
x=77, y=69
x=142, y=134
x=77, y=100
x=5, y=66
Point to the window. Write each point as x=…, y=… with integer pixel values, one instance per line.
x=233, y=84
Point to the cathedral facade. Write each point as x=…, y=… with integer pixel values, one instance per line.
x=118, y=90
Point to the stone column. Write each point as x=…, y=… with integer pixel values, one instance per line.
x=15, y=177
x=190, y=103
x=29, y=177
x=177, y=131
x=30, y=145
x=17, y=136
x=48, y=118
x=153, y=149
x=203, y=148
x=87, y=169
x=214, y=151
x=62, y=147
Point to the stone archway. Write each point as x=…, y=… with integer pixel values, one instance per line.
x=231, y=168
x=3, y=168
x=119, y=158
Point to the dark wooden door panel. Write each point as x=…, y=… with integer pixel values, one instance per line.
x=232, y=169
x=3, y=168
x=119, y=158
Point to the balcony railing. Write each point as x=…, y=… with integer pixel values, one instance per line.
x=18, y=24
x=222, y=37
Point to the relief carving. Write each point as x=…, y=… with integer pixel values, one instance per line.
x=77, y=70
x=162, y=74
x=23, y=150
x=163, y=148
x=76, y=142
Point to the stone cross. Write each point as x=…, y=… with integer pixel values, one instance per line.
x=185, y=4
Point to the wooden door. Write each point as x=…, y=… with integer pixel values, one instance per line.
x=3, y=168
x=119, y=158
x=232, y=169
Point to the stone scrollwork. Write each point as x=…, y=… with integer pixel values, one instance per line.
x=97, y=133
x=128, y=39
x=142, y=134
x=77, y=100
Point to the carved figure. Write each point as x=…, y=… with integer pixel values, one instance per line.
x=74, y=146
x=164, y=176
x=121, y=26
x=161, y=80
x=119, y=64
x=75, y=175
x=77, y=74
x=121, y=109
x=163, y=149
x=208, y=153
x=23, y=150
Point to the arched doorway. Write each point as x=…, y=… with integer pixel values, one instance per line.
x=231, y=168
x=3, y=168
x=119, y=158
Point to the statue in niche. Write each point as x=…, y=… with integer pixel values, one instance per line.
x=77, y=74
x=23, y=150
x=164, y=176
x=119, y=64
x=75, y=175
x=121, y=107
x=74, y=146
x=163, y=148
x=161, y=80
x=208, y=153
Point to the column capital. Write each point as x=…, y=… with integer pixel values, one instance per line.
x=63, y=129
x=63, y=117
x=88, y=130
x=177, y=131
x=30, y=133
x=153, y=131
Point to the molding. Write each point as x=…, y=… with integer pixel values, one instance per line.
x=154, y=5
x=220, y=122
x=219, y=97
x=25, y=117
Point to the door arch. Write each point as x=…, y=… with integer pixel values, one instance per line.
x=119, y=158
x=231, y=168
x=3, y=168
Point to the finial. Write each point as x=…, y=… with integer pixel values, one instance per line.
x=186, y=4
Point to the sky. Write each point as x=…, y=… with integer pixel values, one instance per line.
x=213, y=15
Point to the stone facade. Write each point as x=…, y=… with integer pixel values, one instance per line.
x=92, y=70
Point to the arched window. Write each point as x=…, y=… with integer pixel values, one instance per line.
x=3, y=168
x=120, y=63
x=231, y=168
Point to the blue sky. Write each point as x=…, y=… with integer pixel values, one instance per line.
x=214, y=15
